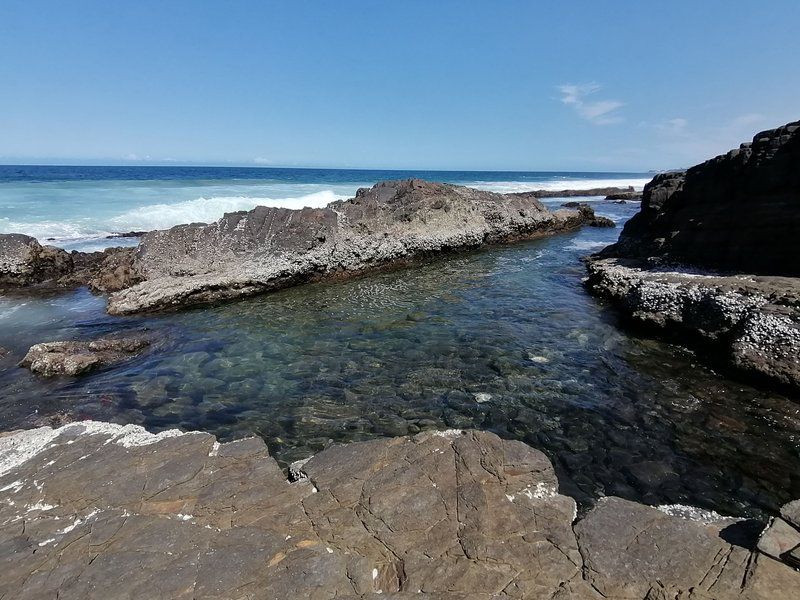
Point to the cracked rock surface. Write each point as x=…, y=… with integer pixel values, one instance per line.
x=94, y=510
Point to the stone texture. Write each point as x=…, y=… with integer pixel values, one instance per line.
x=750, y=323
x=602, y=191
x=94, y=510
x=24, y=261
x=78, y=357
x=268, y=248
x=634, y=551
x=778, y=539
x=791, y=513
x=738, y=212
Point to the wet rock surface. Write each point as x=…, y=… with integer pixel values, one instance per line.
x=751, y=323
x=94, y=510
x=78, y=357
x=269, y=248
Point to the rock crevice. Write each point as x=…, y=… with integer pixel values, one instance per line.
x=94, y=510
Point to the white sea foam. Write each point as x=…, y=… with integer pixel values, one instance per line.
x=586, y=245
x=206, y=210
x=507, y=187
x=88, y=234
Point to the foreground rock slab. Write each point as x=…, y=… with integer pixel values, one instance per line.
x=94, y=510
x=78, y=357
x=393, y=222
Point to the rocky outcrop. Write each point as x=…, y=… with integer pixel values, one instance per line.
x=78, y=357
x=268, y=248
x=94, y=510
x=748, y=323
x=625, y=196
x=737, y=212
x=602, y=191
x=25, y=263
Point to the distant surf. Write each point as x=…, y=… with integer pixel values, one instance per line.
x=78, y=208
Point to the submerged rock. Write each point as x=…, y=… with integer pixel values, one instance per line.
x=95, y=510
x=77, y=357
x=268, y=248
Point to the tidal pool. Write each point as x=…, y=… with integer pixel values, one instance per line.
x=505, y=339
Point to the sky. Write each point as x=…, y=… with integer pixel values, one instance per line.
x=417, y=84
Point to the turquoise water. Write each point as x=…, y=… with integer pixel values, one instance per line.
x=78, y=207
x=504, y=339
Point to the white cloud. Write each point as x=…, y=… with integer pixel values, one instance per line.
x=746, y=120
x=260, y=160
x=676, y=126
x=599, y=112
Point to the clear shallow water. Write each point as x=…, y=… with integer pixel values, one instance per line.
x=504, y=339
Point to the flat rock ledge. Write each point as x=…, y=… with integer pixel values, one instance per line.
x=751, y=323
x=387, y=225
x=94, y=510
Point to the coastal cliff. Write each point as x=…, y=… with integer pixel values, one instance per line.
x=711, y=260
x=737, y=212
x=96, y=510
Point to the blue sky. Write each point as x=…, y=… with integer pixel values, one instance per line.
x=412, y=84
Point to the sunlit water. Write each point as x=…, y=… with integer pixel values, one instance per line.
x=505, y=339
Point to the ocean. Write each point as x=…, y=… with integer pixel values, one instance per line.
x=503, y=339
x=77, y=208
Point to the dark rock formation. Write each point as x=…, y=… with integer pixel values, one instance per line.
x=126, y=234
x=24, y=261
x=267, y=248
x=108, y=271
x=94, y=510
x=3, y=352
x=78, y=357
x=603, y=191
x=738, y=212
x=625, y=196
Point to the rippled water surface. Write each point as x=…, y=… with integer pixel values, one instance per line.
x=505, y=339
